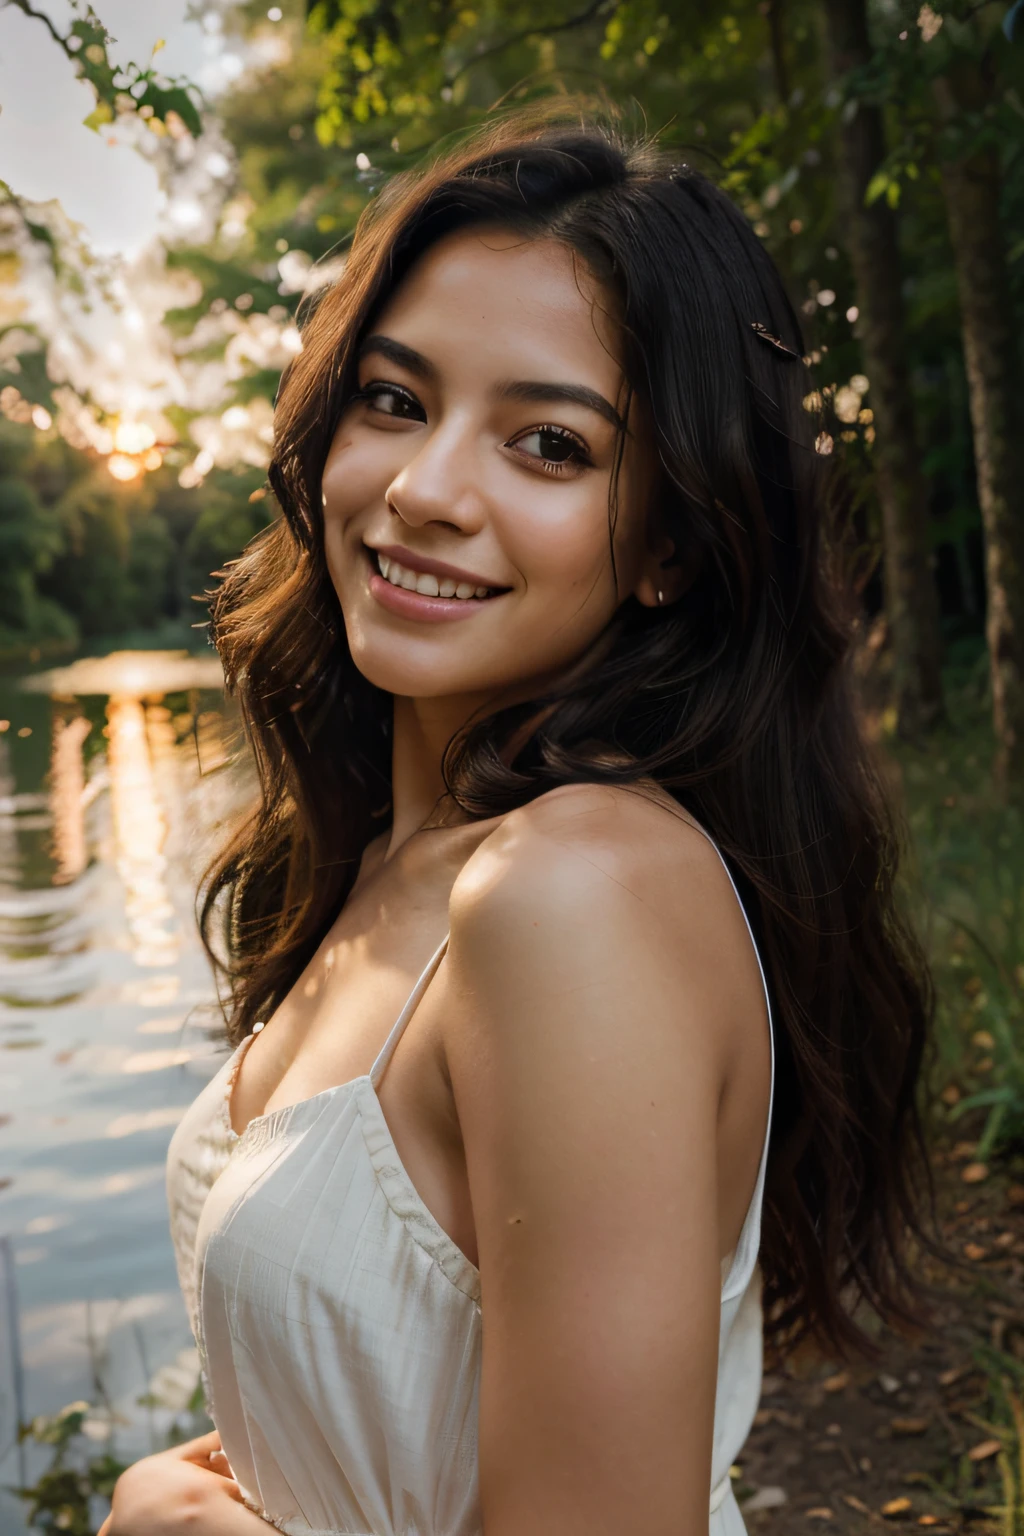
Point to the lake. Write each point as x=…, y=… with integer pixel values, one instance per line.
x=118, y=776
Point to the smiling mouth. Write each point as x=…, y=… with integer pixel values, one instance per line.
x=427, y=585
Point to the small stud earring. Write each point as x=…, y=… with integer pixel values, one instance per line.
x=323, y=498
x=661, y=596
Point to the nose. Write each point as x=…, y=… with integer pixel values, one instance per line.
x=440, y=484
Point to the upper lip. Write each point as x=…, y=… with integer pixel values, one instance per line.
x=431, y=567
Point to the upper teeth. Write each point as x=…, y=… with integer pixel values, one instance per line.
x=429, y=586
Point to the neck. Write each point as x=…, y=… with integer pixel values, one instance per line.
x=421, y=730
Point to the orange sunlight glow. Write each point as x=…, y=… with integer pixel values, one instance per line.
x=124, y=468
x=133, y=437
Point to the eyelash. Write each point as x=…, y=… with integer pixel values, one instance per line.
x=580, y=457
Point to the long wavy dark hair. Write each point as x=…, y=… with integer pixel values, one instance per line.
x=736, y=698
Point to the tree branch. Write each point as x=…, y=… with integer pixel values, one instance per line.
x=590, y=14
x=29, y=10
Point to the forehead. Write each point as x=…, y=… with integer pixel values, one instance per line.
x=519, y=306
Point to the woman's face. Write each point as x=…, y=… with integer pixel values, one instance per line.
x=466, y=491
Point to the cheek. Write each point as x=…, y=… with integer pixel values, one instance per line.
x=354, y=474
x=559, y=539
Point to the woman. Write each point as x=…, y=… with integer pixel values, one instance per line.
x=549, y=610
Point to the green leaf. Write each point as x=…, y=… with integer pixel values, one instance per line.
x=101, y=113
x=990, y=1134
x=173, y=99
x=1004, y=1096
x=877, y=187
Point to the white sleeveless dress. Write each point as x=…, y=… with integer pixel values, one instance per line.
x=339, y=1326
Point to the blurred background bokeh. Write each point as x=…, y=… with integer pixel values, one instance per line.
x=177, y=179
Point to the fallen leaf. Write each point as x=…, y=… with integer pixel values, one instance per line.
x=1004, y=1240
x=908, y=1426
x=950, y=1095
x=889, y=1384
x=954, y=1374
x=765, y=1498
x=928, y=1520
x=964, y=1151
x=837, y=1383
x=897, y=1509
x=973, y=1251
x=855, y=1503
x=984, y=1450
x=983, y=1040
x=974, y=1173
x=762, y=1417
x=788, y=1420
x=1015, y=1194
x=819, y=1512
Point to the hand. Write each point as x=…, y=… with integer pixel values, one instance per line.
x=188, y=1488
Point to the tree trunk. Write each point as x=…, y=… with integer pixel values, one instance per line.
x=911, y=597
x=971, y=184
x=772, y=10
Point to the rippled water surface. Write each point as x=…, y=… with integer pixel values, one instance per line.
x=116, y=781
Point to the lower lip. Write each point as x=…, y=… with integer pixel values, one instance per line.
x=414, y=605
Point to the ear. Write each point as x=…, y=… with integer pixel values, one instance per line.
x=664, y=574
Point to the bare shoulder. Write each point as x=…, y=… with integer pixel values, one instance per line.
x=606, y=891
x=603, y=850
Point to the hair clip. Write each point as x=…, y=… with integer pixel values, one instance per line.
x=764, y=334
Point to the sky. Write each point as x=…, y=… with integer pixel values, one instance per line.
x=111, y=358
x=47, y=152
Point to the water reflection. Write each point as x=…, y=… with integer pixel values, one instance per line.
x=117, y=775
x=68, y=800
x=139, y=832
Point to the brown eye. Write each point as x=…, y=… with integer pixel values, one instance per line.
x=553, y=447
x=392, y=400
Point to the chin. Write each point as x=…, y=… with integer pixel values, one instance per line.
x=397, y=671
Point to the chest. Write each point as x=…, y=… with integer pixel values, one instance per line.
x=329, y=1031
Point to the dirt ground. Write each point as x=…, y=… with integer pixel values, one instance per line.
x=916, y=1436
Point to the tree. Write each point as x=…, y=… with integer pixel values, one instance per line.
x=30, y=539
x=910, y=595
x=969, y=145
x=954, y=83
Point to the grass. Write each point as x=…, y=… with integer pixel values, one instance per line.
x=965, y=882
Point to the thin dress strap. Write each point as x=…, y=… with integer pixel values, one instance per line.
x=387, y=1050
x=745, y=1256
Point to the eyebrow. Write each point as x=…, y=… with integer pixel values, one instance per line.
x=514, y=389
x=552, y=394
x=398, y=353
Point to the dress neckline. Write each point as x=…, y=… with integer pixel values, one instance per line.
x=235, y=1061
x=373, y=1077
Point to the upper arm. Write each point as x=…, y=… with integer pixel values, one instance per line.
x=594, y=992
